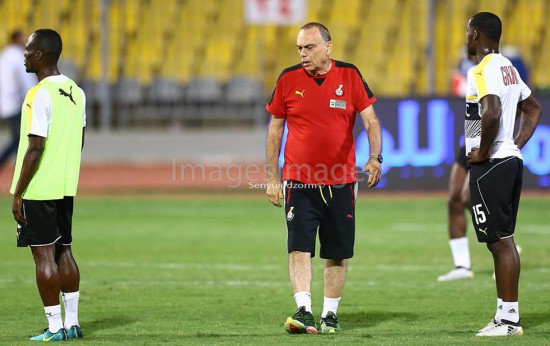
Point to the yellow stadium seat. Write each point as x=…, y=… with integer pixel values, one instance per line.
x=180, y=40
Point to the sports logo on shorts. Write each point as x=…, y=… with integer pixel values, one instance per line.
x=339, y=91
x=290, y=214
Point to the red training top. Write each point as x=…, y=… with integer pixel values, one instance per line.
x=320, y=115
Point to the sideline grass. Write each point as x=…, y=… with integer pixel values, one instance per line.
x=212, y=270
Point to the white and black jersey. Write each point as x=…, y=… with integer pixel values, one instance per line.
x=494, y=75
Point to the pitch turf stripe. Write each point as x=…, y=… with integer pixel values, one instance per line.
x=255, y=268
x=418, y=227
x=440, y=227
x=179, y=266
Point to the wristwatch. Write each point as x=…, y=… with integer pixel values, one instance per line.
x=378, y=157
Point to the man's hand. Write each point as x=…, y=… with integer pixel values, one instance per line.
x=275, y=192
x=372, y=167
x=17, y=210
x=475, y=157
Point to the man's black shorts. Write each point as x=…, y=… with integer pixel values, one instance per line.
x=495, y=188
x=48, y=222
x=329, y=209
x=461, y=159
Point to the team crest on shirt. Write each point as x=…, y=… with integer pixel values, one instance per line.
x=339, y=91
x=290, y=214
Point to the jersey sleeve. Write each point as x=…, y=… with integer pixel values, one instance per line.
x=487, y=81
x=525, y=90
x=364, y=96
x=276, y=105
x=39, y=109
x=84, y=108
x=471, y=93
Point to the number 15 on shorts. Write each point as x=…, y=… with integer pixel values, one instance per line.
x=479, y=215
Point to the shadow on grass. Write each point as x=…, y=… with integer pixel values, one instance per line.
x=106, y=323
x=369, y=319
x=534, y=319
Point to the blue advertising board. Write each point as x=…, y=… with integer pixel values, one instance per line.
x=421, y=137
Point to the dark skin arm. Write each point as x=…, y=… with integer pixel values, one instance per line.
x=30, y=165
x=530, y=113
x=490, y=123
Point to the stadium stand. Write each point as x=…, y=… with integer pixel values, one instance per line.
x=201, y=54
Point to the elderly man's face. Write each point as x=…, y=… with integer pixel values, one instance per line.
x=314, y=53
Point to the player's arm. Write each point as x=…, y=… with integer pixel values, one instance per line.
x=374, y=134
x=530, y=113
x=490, y=123
x=273, y=147
x=83, y=118
x=30, y=165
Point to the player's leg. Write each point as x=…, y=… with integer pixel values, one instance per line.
x=41, y=233
x=334, y=278
x=334, y=281
x=337, y=238
x=496, y=187
x=14, y=124
x=49, y=285
x=47, y=275
x=299, y=269
x=302, y=221
x=457, y=204
x=507, y=269
x=68, y=269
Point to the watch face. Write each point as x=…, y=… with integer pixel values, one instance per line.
x=380, y=158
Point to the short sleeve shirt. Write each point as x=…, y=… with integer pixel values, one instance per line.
x=55, y=110
x=495, y=75
x=320, y=114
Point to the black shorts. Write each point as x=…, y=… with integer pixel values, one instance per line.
x=495, y=188
x=461, y=159
x=329, y=209
x=48, y=222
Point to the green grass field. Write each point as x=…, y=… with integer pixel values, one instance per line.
x=212, y=270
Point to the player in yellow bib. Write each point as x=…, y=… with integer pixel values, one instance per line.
x=45, y=181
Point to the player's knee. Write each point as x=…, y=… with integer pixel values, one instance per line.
x=455, y=202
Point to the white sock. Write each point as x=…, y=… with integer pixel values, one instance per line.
x=70, y=300
x=330, y=304
x=498, y=314
x=461, y=252
x=53, y=314
x=510, y=311
x=303, y=299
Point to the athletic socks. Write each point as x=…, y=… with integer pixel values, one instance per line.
x=303, y=299
x=508, y=311
x=53, y=314
x=498, y=314
x=461, y=252
x=70, y=300
x=330, y=304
